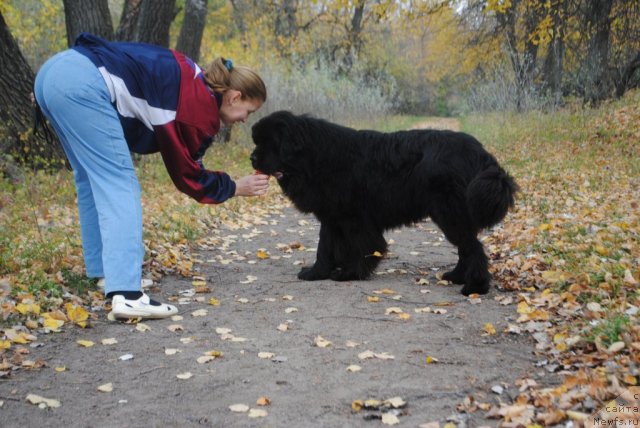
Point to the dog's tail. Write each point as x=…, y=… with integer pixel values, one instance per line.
x=490, y=195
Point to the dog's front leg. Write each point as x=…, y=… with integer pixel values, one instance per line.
x=325, y=261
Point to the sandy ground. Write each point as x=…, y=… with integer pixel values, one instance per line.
x=252, y=273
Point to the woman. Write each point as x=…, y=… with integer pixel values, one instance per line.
x=107, y=99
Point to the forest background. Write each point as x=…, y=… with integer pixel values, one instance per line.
x=549, y=86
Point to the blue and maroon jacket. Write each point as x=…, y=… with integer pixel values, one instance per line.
x=164, y=106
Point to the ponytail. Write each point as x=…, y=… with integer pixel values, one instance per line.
x=222, y=75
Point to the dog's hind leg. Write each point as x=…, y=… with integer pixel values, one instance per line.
x=449, y=212
x=457, y=274
x=477, y=278
x=325, y=259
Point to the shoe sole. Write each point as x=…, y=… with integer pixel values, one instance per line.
x=145, y=315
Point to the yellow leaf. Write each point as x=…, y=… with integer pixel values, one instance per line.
x=431, y=360
x=489, y=329
x=373, y=299
x=60, y=369
x=77, y=314
x=357, y=405
x=214, y=302
x=16, y=337
x=404, y=316
x=85, y=343
x=524, y=308
x=28, y=308
x=199, y=283
x=52, y=323
x=377, y=254
x=263, y=255
x=5, y=344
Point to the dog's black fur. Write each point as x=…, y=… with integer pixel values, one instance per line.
x=361, y=183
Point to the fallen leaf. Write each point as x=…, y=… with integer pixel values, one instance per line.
x=214, y=302
x=257, y=413
x=77, y=314
x=42, y=402
x=396, y=402
x=175, y=327
x=142, y=327
x=489, y=329
x=85, y=343
x=107, y=387
x=109, y=341
x=321, y=342
x=199, y=313
x=239, y=408
x=266, y=355
x=171, y=351
x=184, y=376
x=291, y=310
x=354, y=368
x=263, y=401
x=205, y=359
x=283, y=327
x=390, y=419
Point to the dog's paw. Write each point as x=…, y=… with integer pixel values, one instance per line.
x=311, y=274
x=454, y=277
x=475, y=288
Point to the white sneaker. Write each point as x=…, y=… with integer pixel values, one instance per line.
x=144, y=283
x=140, y=308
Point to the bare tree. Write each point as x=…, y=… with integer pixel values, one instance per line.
x=155, y=21
x=17, y=110
x=91, y=16
x=195, y=17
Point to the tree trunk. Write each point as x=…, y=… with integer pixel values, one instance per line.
x=91, y=16
x=598, y=84
x=17, y=110
x=126, y=31
x=286, y=26
x=155, y=21
x=554, y=61
x=195, y=17
x=623, y=81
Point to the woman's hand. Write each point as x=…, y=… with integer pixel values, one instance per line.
x=252, y=185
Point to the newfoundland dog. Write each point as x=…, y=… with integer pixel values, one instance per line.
x=361, y=183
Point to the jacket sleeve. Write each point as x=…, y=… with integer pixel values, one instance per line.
x=177, y=144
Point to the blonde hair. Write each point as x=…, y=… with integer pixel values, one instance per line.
x=221, y=75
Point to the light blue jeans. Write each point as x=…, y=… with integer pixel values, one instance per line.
x=74, y=97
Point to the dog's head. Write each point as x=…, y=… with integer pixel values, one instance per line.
x=278, y=141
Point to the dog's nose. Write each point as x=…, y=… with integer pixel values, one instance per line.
x=253, y=157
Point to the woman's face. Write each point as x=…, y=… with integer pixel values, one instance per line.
x=235, y=109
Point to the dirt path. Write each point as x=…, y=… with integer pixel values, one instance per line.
x=307, y=385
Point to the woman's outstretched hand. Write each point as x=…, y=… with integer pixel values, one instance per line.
x=252, y=185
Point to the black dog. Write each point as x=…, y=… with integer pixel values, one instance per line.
x=361, y=183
